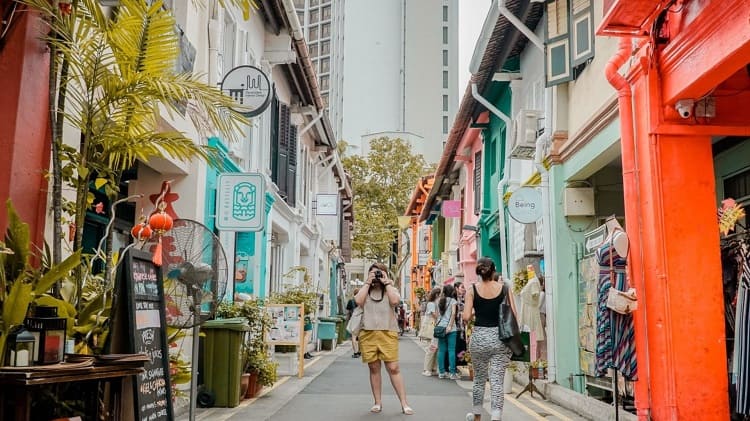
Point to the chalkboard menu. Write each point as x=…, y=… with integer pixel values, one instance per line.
x=139, y=326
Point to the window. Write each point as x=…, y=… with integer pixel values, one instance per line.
x=325, y=48
x=445, y=35
x=299, y=4
x=445, y=102
x=313, y=49
x=445, y=124
x=301, y=17
x=324, y=83
x=326, y=12
x=325, y=30
x=445, y=79
x=477, y=182
x=314, y=3
x=324, y=97
x=569, y=39
x=314, y=16
x=325, y=65
x=313, y=33
x=445, y=13
x=445, y=58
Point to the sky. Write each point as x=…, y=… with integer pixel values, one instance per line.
x=471, y=14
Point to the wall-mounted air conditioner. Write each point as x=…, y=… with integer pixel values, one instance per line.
x=526, y=126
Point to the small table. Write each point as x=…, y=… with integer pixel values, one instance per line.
x=19, y=386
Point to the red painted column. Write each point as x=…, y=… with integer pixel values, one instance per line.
x=24, y=128
x=680, y=321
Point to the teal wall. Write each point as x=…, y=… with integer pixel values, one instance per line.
x=567, y=240
x=493, y=164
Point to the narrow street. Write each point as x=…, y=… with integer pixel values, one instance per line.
x=336, y=387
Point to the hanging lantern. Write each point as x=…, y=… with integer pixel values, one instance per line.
x=49, y=333
x=160, y=222
x=141, y=232
x=19, y=348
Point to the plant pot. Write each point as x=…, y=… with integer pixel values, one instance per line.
x=252, y=387
x=538, y=372
x=244, y=385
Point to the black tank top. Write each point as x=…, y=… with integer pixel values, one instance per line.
x=487, y=311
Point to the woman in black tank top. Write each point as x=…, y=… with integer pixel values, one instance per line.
x=489, y=355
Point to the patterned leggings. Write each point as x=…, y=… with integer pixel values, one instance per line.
x=489, y=356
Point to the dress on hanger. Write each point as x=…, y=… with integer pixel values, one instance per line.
x=529, y=310
x=615, y=333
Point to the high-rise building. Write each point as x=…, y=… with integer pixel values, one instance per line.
x=401, y=72
x=323, y=23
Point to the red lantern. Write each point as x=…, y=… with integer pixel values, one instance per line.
x=161, y=222
x=141, y=232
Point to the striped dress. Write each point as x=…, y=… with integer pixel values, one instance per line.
x=742, y=335
x=615, y=335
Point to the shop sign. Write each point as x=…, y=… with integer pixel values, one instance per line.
x=250, y=89
x=240, y=204
x=525, y=205
x=328, y=204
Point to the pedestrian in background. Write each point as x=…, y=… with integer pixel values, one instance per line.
x=429, y=319
x=350, y=306
x=460, y=326
x=378, y=339
x=447, y=344
x=488, y=354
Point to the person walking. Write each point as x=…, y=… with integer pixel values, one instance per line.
x=447, y=344
x=378, y=339
x=430, y=318
x=489, y=355
x=350, y=306
x=460, y=326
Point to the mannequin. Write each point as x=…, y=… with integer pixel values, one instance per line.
x=529, y=310
x=617, y=235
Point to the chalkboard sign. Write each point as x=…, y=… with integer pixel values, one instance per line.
x=139, y=326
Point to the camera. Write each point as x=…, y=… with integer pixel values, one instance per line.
x=684, y=107
x=378, y=276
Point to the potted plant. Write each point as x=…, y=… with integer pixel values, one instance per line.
x=538, y=369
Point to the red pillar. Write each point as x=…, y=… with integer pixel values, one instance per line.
x=680, y=323
x=24, y=128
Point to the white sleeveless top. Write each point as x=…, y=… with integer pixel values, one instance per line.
x=379, y=315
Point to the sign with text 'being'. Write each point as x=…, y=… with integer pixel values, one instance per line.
x=240, y=202
x=525, y=205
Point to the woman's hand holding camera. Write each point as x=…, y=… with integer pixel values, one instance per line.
x=378, y=277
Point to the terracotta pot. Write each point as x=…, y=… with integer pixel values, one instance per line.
x=538, y=373
x=252, y=387
x=244, y=385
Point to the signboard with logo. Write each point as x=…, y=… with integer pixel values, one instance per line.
x=250, y=89
x=240, y=202
x=525, y=205
x=328, y=204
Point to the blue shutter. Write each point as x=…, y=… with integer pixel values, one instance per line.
x=583, y=31
x=557, y=43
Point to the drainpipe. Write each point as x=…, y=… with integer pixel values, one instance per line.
x=504, y=265
x=631, y=189
x=549, y=255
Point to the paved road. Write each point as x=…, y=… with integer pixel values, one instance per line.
x=336, y=387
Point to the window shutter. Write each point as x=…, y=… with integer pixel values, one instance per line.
x=477, y=182
x=291, y=181
x=583, y=31
x=283, y=154
x=275, y=140
x=557, y=43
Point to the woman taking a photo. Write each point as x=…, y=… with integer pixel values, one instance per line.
x=488, y=354
x=378, y=339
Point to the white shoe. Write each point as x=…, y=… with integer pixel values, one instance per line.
x=427, y=373
x=454, y=376
x=470, y=417
x=442, y=376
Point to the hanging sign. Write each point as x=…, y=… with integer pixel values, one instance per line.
x=525, y=205
x=328, y=204
x=240, y=202
x=250, y=89
x=452, y=208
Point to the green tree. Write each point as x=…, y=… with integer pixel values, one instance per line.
x=383, y=182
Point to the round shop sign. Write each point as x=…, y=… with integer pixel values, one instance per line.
x=525, y=205
x=250, y=89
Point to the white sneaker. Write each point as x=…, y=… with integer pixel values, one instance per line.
x=427, y=373
x=470, y=417
x=454, y=376
x=442, y=376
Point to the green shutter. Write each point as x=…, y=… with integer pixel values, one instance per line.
x=557, y=43
x=583, y=31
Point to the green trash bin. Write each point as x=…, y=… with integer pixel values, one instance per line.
x=327, y=333
x=222, y=359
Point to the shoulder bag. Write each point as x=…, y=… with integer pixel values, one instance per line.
x=508, y=330
x=427, y=327
x=356, y=321
x=441, y=331
x=623, y=302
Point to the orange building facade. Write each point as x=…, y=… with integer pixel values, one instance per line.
x=420, y=241
x=684, y=55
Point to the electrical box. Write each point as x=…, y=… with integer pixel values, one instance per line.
x=579, y=201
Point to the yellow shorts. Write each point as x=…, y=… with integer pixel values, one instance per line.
x=378, y=345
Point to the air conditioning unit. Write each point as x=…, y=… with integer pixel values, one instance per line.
x=526, y=125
